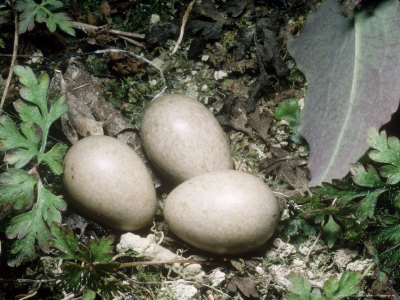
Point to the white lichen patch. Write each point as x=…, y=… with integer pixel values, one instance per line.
x=344, y=256
x=178, y=290
x=361, y=265
x=154, y=19
x=281, y=250
x=218, y=75
x=149, y=247
x=280, y=274
x=216, y=277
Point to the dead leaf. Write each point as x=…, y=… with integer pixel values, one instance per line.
x=207, y=8
x=235, y=116
x=92, y=19
x=288, y=168
x=105, y=10
x=261, y=123
x=124, y=65
x=246, y=285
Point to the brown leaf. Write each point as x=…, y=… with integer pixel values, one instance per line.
x=105, y=10
x=207, y=8
x=288, y=168
x=236, y=116
x=246, y=285
x=92, y=19
x=261, y=123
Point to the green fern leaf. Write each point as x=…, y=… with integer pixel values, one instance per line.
x=88, y=268
x=339, y=190
x=89, y=295
x=65, y=242
x=29, y=114
x=60, y=20
x=346, y=286
x=366, y=207
x=53, y=158
x=331, y=231
x=22, y=149
x=33, y=225
x=16, y=189
x=300, y=289
x=55, y=3
x=102, y=251
x=367, y=177
x=27, y=18
x=385, y=150
x=43, y=12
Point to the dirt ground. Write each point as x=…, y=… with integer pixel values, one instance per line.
x=233, y=59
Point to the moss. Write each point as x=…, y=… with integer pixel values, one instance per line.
x=132, y=93
x=138, y=17
x=229, y=39
x=96, y=64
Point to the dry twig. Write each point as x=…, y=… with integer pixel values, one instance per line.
x=14, y=56
x=161, y=262
x=184, y=20
x=131, y=41
x=112, y=31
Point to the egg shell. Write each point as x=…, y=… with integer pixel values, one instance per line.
x=108, y=182
x=223, y=212
x=183, y=139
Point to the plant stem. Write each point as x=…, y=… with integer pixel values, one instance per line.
x=161, y=262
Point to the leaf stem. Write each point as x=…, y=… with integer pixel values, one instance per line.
x=161, y=262
x=42, y=7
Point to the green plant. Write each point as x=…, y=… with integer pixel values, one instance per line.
x=334, y=288
x=365, y=206
x=43, y=12
x=87, y=269
x=22, y=191
x=289, y=110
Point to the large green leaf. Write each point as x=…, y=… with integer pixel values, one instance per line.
x=353, y=73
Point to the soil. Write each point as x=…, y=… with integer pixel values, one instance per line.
x=233, y=59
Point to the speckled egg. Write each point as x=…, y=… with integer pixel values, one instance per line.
x=183, y=139
x=108, y=182
x=224, y=212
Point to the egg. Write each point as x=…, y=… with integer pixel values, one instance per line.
x=108, y=182
x=183, y=139
x=225, y=212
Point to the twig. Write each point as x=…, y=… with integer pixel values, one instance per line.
x=131, y=41
x=307, y=257
x=32, y=294
x=184, y=20
x=162, y=262
x=280, y=194
x=14, y=56
x=112, y=31
x=26, y=280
